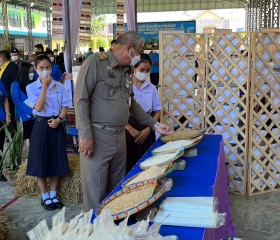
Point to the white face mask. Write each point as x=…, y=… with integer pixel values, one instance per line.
x=135, y=59
x=52, y=59
x=142, y=76
x=44, y=73
x=14, y=58
x=31, y=75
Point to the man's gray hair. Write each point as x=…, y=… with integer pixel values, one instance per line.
x=130, y=37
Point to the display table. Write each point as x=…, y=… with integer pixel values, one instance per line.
x=205, y=175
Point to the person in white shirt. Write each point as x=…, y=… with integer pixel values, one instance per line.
x=139, y=138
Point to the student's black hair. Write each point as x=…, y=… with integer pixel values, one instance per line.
x=42, y=57
x=39, y=46
x=23, y=75
x=49, y=52
x=143, y=58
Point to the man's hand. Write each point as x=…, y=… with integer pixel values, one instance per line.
x=86, y=147
x=143, y=135
x=163, y=129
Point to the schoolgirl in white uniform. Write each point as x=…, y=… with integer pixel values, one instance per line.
x=47, y=153
x=139, y=138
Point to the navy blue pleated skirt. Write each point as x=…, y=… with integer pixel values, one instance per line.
x=47, y=151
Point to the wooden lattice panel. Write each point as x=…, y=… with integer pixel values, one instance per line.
x=265, y=115
x=235, y=92
x=227, y=100
x=182, y=79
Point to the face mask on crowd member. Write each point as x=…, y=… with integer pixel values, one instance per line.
x=31, y=75
x=51, y=58
x=14, y=58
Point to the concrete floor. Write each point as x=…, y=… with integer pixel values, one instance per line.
x=255, y=218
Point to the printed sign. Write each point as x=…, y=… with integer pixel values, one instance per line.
x=150, y=31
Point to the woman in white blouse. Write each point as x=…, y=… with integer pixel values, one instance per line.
x=139, y=137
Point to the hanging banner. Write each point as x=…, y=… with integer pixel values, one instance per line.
x=150, y=31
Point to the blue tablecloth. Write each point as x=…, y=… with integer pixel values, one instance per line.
x=205, y=175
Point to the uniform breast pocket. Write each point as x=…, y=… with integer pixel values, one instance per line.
x=111, y=89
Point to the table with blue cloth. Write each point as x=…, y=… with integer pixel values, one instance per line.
x=204, y=176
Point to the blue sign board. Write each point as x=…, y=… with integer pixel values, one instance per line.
x=150, y=31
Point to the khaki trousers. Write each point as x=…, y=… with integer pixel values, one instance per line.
x=105, y=169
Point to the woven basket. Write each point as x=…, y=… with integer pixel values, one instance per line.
x=162, y=186
x=161, y=149
x=181, y=135
x=170, y=157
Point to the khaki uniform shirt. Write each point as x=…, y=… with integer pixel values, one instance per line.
x=104, y=95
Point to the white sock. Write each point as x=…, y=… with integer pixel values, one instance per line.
x=53, y=195
x=45, y=196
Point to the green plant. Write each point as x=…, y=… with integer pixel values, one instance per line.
x=14, y=147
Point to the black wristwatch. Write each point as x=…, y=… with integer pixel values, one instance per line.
x=60, y=118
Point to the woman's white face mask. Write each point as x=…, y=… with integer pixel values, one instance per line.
x=44, y=73
x=142, y=76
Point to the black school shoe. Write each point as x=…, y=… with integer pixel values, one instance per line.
x=49, y=207
x=57, y=204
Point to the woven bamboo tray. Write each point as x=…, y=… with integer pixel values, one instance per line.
x=173, y=166
x=159, y=188
x=172, y=146
x=161, y=159
x=182, y=135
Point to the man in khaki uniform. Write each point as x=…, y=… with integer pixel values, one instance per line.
x=103, y=100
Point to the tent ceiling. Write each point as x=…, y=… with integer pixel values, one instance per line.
x=108, y=6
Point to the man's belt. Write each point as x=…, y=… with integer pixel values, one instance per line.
x=107, y=128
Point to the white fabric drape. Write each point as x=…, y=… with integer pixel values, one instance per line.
x=130, y=14
x=75, y=8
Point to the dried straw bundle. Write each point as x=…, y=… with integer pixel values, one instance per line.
x=4, y=227
x=70, y=187
x=26, y=186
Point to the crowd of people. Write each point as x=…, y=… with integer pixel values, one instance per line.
x=116, y=106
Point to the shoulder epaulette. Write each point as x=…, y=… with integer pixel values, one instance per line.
x=102, y=56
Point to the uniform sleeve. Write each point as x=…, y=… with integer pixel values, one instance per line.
x=141, y=116
x=85, y=85
x=31, y=93
x=64, y=98
x=156, y=100
x=15, y=91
